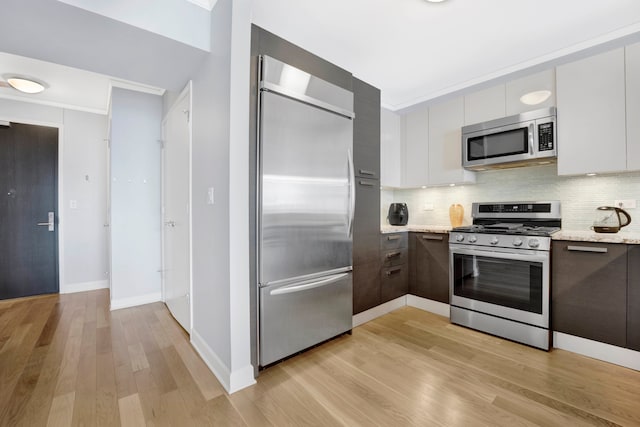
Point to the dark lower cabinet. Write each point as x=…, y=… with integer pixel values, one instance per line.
x=366, y=286
x=393, y=282
x=589, y=291
x=366, y=222
x=633, y=297
x=429, y=266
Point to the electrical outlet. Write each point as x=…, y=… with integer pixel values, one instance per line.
x=427, y=207
x=625, y=204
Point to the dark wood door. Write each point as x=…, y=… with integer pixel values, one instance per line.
x=28, y=192
x=429, y=266
x=633, y=297
x=589, y=290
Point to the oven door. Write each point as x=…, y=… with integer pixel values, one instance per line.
x=508, y=283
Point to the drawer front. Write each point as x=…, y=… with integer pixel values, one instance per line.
x=393, y=241
x=395, y=257
x=394, y=282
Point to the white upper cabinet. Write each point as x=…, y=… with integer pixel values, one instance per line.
x=415, y=127
x=445, y=144
x=591, y=114
x=543, y=81
x=390, y=149
x=483, y=105
x=633, y=106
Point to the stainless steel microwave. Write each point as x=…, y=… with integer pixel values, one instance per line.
x=519, y=140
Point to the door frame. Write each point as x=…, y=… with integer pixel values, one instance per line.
x=60, y=195
x=186, y=92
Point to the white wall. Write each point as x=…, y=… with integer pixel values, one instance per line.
x=136, y=222
x=176, y=19
x=580, y=195
x=220, y=114
x=85, y=174
x=83, y=261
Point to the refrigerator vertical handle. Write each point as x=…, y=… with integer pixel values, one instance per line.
x=352, y=192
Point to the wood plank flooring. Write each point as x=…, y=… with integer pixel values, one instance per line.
x=67, y=360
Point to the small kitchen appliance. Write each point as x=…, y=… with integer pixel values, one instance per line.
x=610, y=219
x=398, y=214
x=499, y=270
x=519, y=140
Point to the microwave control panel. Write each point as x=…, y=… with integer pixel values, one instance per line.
x=545, y=136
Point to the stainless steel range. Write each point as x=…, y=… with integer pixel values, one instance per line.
x=499, y=270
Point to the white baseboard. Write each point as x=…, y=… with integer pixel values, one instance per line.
x=431, y=306
x=117, y=304
x=70, y=288
x=231, y=381
x=379, y=310
x=597, y=350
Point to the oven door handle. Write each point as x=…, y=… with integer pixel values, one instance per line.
x=526, y=255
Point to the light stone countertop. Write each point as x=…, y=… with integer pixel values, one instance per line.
x=443, y=229
x=592, y=236
x=632, y=238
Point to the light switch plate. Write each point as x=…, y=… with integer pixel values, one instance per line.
x=210, y=198
x=625, y=204
x=73, y=204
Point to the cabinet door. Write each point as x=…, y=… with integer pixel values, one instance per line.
x=366, y=286
x=393, y=283
x=366, y=222
x=390, y=149
x=589, y=291
x=366, y=130
x=545, y=80
x=429, y=266
x=483, y=105
x=445, y=144
x=632, y=61
x=633, y=298
x=415, y=163
x=591, y=114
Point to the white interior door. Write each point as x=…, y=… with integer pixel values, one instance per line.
x=176, y=218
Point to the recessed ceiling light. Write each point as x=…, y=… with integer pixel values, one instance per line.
x=452, y=185
x=591, y=174
x=434, y=1
x=536, y=97
x=26, y=85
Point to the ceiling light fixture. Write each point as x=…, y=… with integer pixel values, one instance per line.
x=536, y=97
x=26, y=85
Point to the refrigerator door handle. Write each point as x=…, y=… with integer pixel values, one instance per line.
x=306, y=286
x=352, y=192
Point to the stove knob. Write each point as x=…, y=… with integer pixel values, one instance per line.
x=459, y=238
x=534, y=243
x=473, y=239
x=517, y=242
x=494, y=240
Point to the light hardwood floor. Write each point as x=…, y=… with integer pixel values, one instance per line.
x=67, y=360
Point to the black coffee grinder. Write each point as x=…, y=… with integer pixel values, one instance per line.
x=398, y=214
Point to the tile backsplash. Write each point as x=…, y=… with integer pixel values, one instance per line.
x=580, y=195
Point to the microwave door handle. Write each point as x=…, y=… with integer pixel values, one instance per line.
x=531, y=129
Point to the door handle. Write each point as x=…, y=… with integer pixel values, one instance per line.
x=366, y=172
x=428, y=237
x=50, y=224
x=352, y=193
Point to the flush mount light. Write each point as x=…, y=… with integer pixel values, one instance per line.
x=24, y=84
x=536, y=97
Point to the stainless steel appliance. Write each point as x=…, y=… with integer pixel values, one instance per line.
x=527, y=138
x=306, y=199
x=499, y=270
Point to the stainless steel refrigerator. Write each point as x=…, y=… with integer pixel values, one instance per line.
x=306, y=199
